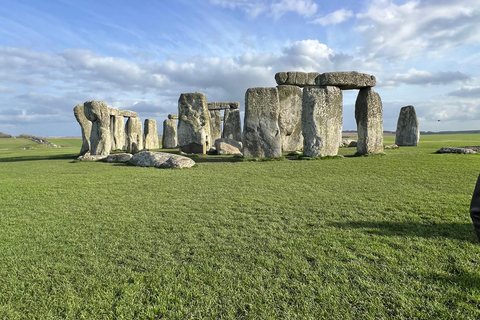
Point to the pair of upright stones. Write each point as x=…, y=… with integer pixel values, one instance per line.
x=104, y=129
x=318, y=117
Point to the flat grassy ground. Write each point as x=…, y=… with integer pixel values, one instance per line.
x=381, y=237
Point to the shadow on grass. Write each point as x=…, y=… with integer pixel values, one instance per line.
x=459, y=231
x=41, y=157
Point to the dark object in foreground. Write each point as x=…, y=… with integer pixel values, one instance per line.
x=475, y=208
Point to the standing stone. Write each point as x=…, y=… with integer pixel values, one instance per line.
x=193, y=123
x=85, y=125
x=369, y=117
x=408, y=131
x=261, y=132
x=100, y=136
x=290, y=117
x=321, y=118
x=117, y=128
x=134, y=135
x=232, y=125
x=215, y=125
x=169, y=138
x=151, y=134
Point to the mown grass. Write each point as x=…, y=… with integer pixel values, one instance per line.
x=346, y=238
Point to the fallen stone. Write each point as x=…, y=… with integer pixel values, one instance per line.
x=346, y=142
x=194, y=122
x=86, y=127
x=346, y=80
x=161, y=160
x=151, y=134
x=456, y=150
x=100, y=138
x=369, y=118
x=290, y=117
x=169, y=138
x=118, y=158
x=91, y=157
x=408, y=131
x=228, y=146
x=232, y=125
x=134, y=135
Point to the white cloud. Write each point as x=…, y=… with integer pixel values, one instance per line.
x=422, y=77
x=305, y=8
x=466, y=92
x=336, y=17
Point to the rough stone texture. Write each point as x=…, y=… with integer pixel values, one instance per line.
x=117, y=129
x=464, y=150
x=100, y=137
x=261, y=138
x=390, y=146
x=290, y=117
x=123, y=113
x=346, y=80
x=223, y=105
x=134, y=135
x=173, y=116
x=228, y=146
x=346, y=142
x=299, y=79
x=85, y=125
x=118, y=158
x=408, y=131
x=369, y=118
x=321, y=117
x=169, y=138
x=150, y=134
x=232, y=125
x=193, y=122
x=215, y=125
x=161, y=160
x=90, y=157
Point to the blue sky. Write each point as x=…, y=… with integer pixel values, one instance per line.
x=141, y=55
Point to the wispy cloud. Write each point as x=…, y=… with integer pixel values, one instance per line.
x=422, y=77
x=335, y=17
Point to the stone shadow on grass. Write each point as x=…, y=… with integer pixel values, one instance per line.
x=43, y=157
x=458, y=231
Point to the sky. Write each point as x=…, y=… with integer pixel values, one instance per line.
x=140, y=55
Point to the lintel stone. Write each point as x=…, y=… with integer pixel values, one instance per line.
x=346, y=80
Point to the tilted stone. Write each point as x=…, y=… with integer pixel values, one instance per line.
x=85, y=125
x=408, y=131
x=232, y=125
x=369, y=118
x=117, y=128
x=261, y=132
x=150, y=134
x=123, y=113
x=346, y=80
x=321, y=119
x=293, y=78
x=100, y=137
x=118, y=158
x=134, y=135
x=228, y=146
x=215, y=124
x=223, y=105
x=463, y=150
x=173, y=116
x=161, y=160
x=169, y=138
x=193, y=129
x=290, y=117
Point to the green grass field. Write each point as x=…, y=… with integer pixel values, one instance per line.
x=380, y=237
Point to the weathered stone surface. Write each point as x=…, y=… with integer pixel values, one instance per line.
x=117, y=129
x=391, y=146
x=346, y=80
x=321, y=119
x=123, y=113
x=150, y=134
x=118, y=158
x=85, y=125
x=193, y=122
x=100, y=136
x=215, y=124
x=346, y=143
x=161, y=160
x=90, y=157
x=290, y=117
x=228, y=146
x=232, y=125
x=464, y=150
x=261, y=132
x=408, y=131
x=299, y=79
x=194, y=148
x=173, y=116
x=369, y=118
x=134, y=135
x=169, y=138
x=223, y=105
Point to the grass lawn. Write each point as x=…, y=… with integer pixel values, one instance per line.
x=380, y=237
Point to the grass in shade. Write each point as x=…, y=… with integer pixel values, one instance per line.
x=381, y=237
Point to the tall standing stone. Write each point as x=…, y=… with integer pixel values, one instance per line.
x=321, y=118
x=215, y=125
x=261, y=132
x=290, y=117
x=134, y=135
x=100, y=136
x=369, y=118
x=193, y=123
x=408, y=131
x=85, y=125
x=117, y=128
x=151, y=134
x=169, y=138
x=232, y=125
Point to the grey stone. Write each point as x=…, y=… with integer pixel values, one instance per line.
x=408, y=131
x=150, y=130
x=117, y=128
x=391, y=146
x=321, y=118
x=228, y=146
x=232, y=125
x=123, y=113
x=85, y=125
x=134, y=135
x=346, y=80
x=299, y=79
x=91, y=157
x=173, y=116
x=290, y=117
x=100, y=136
x=169, y=138
x=161, y=160
x=346, y=143
x=215, y=124
x=261, y=134
x=456, y=150
x=223, y=105
x=193, y=122
x=118, y=158
x=369, y=118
